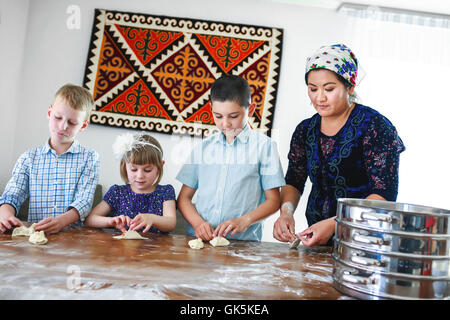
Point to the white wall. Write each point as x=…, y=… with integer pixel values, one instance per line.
x=13, y=25
x=54, y=55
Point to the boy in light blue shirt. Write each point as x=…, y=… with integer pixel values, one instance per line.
x=236, y=173
x=60, y=177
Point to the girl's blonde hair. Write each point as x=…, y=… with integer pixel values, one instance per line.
x=141, y=149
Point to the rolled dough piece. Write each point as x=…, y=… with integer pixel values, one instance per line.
x=23, y=231
x=130, y=235
x=196, y=243
x=38, y=237
x=219, y=242
x=294, y=244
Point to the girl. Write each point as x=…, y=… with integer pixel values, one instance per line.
x=141, y=202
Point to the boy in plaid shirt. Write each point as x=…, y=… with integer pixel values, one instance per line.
x=60, y=177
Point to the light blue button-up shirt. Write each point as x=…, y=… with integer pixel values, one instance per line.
x=53, y=182
x=231, y=178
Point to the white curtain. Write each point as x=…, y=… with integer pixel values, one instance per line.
x=407, y=66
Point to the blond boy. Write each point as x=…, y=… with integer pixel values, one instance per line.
x=60, y=177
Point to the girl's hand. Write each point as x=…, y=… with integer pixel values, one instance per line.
x=284, y=228
x=142, y=220
x=234, y=226
x=120, y=222
x=204, y=231
x=319, y=233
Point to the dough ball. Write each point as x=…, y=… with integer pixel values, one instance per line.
x=219, y=242
x=294, y=244
x=196, y=243
x=38, y=237
x=23, y=231
x=130, y=235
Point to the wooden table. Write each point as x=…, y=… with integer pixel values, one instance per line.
x=87, y=263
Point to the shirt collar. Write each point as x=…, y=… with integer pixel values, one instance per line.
x=242, y=137
x=74, y=148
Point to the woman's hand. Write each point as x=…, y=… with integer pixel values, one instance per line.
x=319, y=233
x=120, y=222
x=204, y=231
x=284, y=228
x=234, y=226
x=142, y=220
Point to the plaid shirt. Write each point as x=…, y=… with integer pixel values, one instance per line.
x=55, y=183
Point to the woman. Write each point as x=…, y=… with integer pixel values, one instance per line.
x=346, y=149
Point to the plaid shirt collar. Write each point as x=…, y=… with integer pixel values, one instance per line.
x=74, y=148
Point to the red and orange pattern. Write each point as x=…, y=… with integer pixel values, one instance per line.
x=154, y=72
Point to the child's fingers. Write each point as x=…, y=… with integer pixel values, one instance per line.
x=206, y=232
x=147, y=228
x=229, y=228
x=139, y=226
x=44, y=225
x=6, y=225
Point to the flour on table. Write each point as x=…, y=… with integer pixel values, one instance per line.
x=196, y=243
x=219, y=242
x=23, y=231
x=130, y=235
x=38, y=237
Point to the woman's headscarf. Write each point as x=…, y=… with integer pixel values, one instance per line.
x=337, y=58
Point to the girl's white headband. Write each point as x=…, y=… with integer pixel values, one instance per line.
x=127, y=142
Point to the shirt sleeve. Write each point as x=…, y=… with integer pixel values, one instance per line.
x=381, y=149
x=188, y=173
x=270, y=170
x=169, y=193
x=112, y=196
x=297, y=173
x=17, y=188
x=84, y=194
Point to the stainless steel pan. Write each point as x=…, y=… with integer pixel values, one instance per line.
x=391, y=250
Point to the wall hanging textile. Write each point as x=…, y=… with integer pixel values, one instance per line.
x=154, y=73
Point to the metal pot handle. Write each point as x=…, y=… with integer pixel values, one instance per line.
x=368, y=239
x=365, y=261
x=376, y=216
x=358, y=279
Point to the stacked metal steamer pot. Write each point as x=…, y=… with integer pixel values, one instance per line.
x=390, y=250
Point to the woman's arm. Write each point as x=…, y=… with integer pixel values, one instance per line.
x=284, y=226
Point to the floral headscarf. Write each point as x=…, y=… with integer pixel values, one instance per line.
x=337, y=58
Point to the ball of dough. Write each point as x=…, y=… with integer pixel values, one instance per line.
x=219, y=242
x=130, y=235
x=38, y=237
x=196, y=243
x=23, y=231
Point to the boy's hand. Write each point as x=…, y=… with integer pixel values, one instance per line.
x=120, y=222
x=49, y=225
x=142, y=220
x=7, y=218
x=234, y=226
x=204, y=231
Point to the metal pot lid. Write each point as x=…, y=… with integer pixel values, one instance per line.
x=394, y=206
